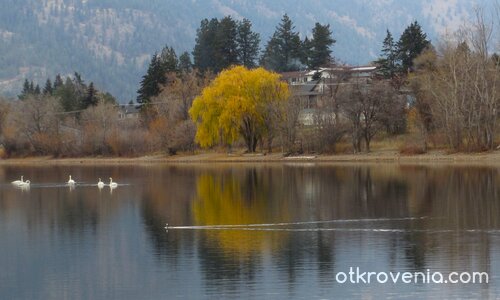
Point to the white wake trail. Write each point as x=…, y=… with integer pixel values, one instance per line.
x=295, y=223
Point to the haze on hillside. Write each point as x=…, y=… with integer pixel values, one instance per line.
x=110, y=42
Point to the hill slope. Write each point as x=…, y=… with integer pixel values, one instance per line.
x=110, y=42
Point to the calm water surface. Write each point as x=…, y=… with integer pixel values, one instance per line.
x=86, y=243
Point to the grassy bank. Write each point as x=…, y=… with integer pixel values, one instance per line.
x=216, y=157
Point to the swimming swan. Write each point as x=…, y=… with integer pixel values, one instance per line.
x=25, y=185
x=18, y=182
x=71, y=181
x=100, y=184
x=111, y=183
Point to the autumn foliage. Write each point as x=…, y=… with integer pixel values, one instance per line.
x=236, y=104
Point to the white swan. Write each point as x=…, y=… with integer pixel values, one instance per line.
x=111, y=183
x=71, y=181
x=100, y=184
x=18, y=182
x=25, y=184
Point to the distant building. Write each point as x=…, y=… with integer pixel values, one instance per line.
x=308, y=91
x=313, y=85
x=301, y=77
x=128, y=111
x=294, y=78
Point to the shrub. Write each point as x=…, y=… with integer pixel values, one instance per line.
x=411, y=149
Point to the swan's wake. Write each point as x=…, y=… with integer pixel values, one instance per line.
x=296, y=223
x=302, y=227
x=374, y=230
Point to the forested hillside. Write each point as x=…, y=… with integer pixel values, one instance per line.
x=111, y=42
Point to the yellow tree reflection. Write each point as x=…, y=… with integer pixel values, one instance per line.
x=220, y=201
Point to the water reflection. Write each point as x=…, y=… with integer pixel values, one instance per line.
x=443, y=218
x=228, y=198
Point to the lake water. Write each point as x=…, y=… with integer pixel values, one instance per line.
x=308, y=223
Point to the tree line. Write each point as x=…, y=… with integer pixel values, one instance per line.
x=72, y=93
x=223, y=43
x=55, y=119
x=442, y=95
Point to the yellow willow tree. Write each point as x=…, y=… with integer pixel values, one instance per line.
x=239, y=102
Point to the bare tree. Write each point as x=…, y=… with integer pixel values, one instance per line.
x=4, y=111
x=182, y=91
x=461, y=87
x=171, y=127
x=368, y=105
x=380, y=105
x=36, y=119
x=351, y=109
x=328, y=128
x=286, y=118
x=98, y=123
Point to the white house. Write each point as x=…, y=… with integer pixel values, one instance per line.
x=128, y=111
x=313, y=84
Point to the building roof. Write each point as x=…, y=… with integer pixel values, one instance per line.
x=295, y=74
x=364, y=69
x=342, y=69
x=129, y=109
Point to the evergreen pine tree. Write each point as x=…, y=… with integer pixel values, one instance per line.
x=269, y=59
x=58, y=82
x=37, y=90
x=157, y=74
x=321, y=42
x=221, y=44
x=91, y=97
x=305, y=51
x=47, y=90
x=79, y=91
x=152, y=81
x=185, y=64
x=226, y=47
x=388, y=64
x=67, y=95
x=26, y=86
x=283, y=50
x=78, y=79
x=204, y=49
x=248, y=44
x=108, y=98
x=25, y=91
x=411, y=43
x=169, y=60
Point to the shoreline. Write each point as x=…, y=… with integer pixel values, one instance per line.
x=490, y=158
